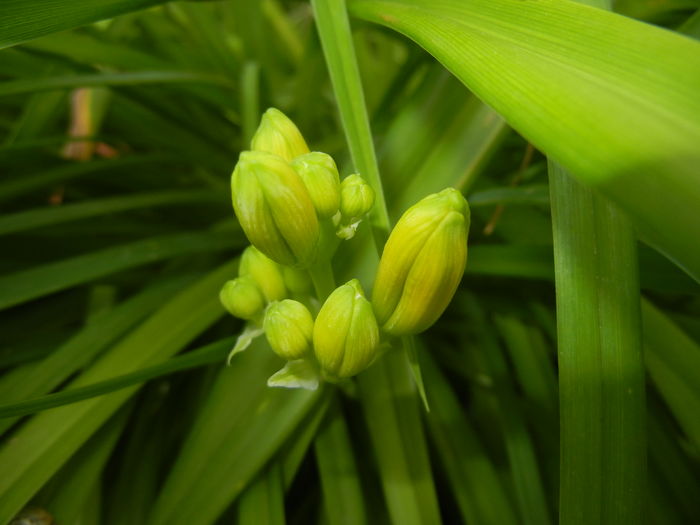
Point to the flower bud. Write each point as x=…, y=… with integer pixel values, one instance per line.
x=356, y=198
x=266, y=273
x=422, y=263
x=274, y=208
x=297, y=280
x=242, y=298
x=320, y=174
x=289, y=328
x=277, y=134
x=346, y=335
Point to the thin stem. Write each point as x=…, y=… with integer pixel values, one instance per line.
x=338, y=48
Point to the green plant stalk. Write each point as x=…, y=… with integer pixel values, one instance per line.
x=336, y=39
x=322, y=279
x=250, y=100
x=601, y=374
x=387, y=391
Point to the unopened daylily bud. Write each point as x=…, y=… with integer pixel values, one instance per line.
x=279, y=135
x=297, y=280
x=266, y=273
x=320, y=174
x=422, y=263
x=356, y=198
x=346, y=335
x=242, y=297
x=274, y=208
x=289, y=328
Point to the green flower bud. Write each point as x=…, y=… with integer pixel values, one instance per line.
x=319, y=173
x=266, y=273
x=274, y=208
x=277, y=134
x=346, y=335
x=356, y=198
x=289, y=328
x=242, y=297
x=297, y=280
x=422, y=263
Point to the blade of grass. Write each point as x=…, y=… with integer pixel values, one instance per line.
x=22, y=185
x=45, y=216
x=84, y=346
x=531, y=501
x=262, y=503
x=601, y=372
x=342, y=491
x=33, y=85
x=392, y=414
x=29, y=284
x=238, y=429
x=336, y=39
x=215, y=352
x=23, y=20
x=72, y=487
x=672, y=359
x=475, y=483
x=33, y=456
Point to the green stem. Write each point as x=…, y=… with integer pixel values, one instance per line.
x=601, y=374
x=322, y=277
x=338, y=48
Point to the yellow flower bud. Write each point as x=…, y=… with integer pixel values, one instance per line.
x=277, y=134
x=297, y=280
x=289, y=328
x=266, y=273
x=274, y=208
x=242, y=298
x=422, y=263
x=356, y=198
x=346, y=335
x=320, y=174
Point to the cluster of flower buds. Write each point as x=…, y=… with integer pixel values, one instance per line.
x=293, y=207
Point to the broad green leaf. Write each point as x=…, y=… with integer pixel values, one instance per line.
x=22, y=20
x=611, y=99
x=29, y=284
x=71, y=489
x=601, y=369
x=33, y=455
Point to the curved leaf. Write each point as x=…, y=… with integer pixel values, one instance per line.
x=612, y=99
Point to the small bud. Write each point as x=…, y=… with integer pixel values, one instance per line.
x=242, y=298
x=422, y=263
x=289, y=328
x=266, y=273
x=274, y=208
x=346, y=336
x=320, y=174
x=297, y=280
x=356, y=198
x=277, y=134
